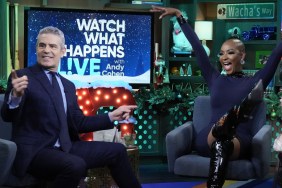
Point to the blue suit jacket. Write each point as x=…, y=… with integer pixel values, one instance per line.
x=36, y=123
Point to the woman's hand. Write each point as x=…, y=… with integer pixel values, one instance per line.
x=166, y=11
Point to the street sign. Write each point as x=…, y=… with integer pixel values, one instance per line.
x=246, y=11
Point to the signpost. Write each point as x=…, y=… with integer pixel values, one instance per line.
x=246, y=11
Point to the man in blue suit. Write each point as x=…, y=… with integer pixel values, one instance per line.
x=47, y=123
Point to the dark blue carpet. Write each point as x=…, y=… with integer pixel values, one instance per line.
x=171, y=185
x=267, y=183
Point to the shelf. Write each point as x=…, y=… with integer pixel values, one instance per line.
x=233, y=1
x=194, y=79
x=182, y=2
x=127, y=6
x=182, y=59
x=263, y=42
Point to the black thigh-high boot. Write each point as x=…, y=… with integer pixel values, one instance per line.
x=225, y=128
x=222, y=148
x=220, y=153
x=224, y=131
x=248, y=104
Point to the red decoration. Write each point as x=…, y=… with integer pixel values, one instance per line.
x=91, y=99
x=126, y=129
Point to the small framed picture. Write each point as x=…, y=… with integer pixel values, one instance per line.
x=261, y=58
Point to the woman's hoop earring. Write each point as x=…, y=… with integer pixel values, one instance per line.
x=242, y=61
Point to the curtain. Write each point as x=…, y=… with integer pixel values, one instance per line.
x=5, y=57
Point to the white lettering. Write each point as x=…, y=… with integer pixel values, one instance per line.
x=105, y=73
x=115, y=67
x=95, y=50
x=101, y=25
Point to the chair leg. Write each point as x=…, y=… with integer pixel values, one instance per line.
x=274, y=185
x=277, y=182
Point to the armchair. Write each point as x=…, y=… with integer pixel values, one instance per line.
x=183, y=160
x=7, y=155
x=8, y=151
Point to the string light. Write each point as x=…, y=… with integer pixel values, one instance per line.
x=124, y=97
x=91, y=99
x=107, y=97
x=124, y=127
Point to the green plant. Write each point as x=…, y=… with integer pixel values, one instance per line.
x=3, y=85
x=273, y=104
x=169, y=99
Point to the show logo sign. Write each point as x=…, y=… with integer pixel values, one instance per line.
x=99, y=45
x=103, y=39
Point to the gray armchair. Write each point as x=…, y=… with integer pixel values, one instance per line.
x=8, y=151
x=7, y=155
x=182, y=160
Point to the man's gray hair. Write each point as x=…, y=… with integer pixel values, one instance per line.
x=52, y=30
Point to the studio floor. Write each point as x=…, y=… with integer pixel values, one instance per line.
x=156, y=171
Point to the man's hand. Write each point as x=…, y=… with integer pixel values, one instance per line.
x=122, y=113
x=166, y=11
x=19, y=84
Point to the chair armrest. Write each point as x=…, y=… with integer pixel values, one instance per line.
x=8, y=151
x=178, y=143
x=261, y=148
